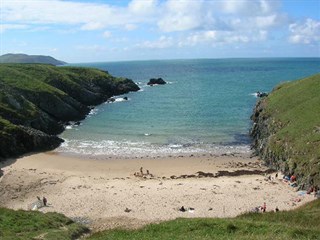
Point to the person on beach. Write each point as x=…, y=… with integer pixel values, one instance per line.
x=293, y=178
x=264, y=207
x=44, y=200
x=141, y=171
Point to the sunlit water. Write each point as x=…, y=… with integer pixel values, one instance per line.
x=204, y=108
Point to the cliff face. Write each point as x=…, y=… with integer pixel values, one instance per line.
x=286, y=130
x=37, y=100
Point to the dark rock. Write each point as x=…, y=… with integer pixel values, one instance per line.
x=158, y=81
x=262, y=94
x=125, y=98
x=25, y=139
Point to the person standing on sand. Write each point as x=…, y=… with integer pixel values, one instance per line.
x=264, y=207
x=44, y=201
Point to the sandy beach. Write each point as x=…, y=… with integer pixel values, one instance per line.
x=109, y=193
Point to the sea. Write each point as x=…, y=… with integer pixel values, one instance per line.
x=204, y=108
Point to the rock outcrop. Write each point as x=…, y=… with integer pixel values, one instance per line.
x=36, y=101
x=158, y=81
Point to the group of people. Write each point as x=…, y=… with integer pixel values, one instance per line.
x=44, y=200
x=142, y=174
x=291, y=179
x=263, y=208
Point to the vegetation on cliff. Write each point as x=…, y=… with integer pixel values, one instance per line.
x=24, y=58
x=36, y=101
x=286, y=130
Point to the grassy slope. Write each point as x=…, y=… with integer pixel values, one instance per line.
x=294, y=108
x=16, y=225
x=302, y=223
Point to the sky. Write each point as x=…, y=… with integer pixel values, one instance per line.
x=78, y=31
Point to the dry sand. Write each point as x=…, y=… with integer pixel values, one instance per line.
x=98, y=191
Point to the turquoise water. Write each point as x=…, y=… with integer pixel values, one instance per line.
x=204, y=108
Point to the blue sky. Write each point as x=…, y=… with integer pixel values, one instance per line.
x=94, y=31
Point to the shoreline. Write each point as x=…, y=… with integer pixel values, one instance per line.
x=112, y=193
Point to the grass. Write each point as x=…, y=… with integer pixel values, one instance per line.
x=23, y=225
x=302, y=223
x=294, y=120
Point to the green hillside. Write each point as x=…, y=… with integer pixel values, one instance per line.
x=286, y=129
x=24, y=58
x=37, y=100
x=23, y=225
x=302, y=223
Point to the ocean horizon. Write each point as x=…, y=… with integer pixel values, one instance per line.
x=204, y=108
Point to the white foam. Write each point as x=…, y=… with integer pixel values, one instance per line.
x=69, y=127
x=254, y=94
x=143, y=149
x=93, y=111
x=120, y=99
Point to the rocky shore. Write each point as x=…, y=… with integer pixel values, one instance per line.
x=37, y=101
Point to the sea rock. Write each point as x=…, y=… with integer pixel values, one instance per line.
x=262, y=94
x=158, y=81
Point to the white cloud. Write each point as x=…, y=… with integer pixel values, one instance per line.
x=162, y=42
x=5, y=27
x=92, y=26
x=130, y=27
x=193, y=21
x=90, y=16
x=107, y=34
x=307, y=32
x=223, y=37
x=181, y=15
x=249, y=7
x=143, y=7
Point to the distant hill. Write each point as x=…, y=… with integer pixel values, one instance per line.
x=24, y=58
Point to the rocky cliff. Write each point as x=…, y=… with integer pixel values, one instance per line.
x=37, y=100
x=286, y=129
